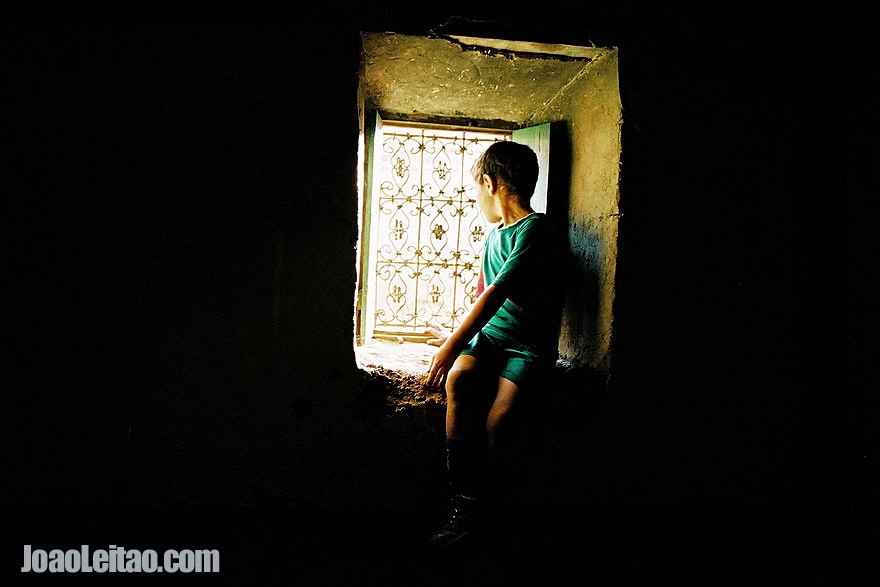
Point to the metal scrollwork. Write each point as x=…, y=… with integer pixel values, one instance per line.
x=430, y=231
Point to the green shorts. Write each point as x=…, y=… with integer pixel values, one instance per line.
x=520, y=365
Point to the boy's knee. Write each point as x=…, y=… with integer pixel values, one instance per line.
x=463, y=375
x=456, y=379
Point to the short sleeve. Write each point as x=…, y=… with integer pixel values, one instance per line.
x=531, y=250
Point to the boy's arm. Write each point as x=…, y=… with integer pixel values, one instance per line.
x=483, y=309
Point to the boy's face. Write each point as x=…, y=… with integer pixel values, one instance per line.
x=486, y=201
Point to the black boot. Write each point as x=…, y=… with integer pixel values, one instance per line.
x=465, y=464
x=462, y=521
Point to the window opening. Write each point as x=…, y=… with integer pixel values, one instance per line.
x=426, y=231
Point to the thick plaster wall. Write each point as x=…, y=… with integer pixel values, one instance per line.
x=591, y=109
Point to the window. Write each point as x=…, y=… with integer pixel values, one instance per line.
x=562, y=99
x=422, y=231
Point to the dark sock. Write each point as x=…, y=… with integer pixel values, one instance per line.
x=465, y=463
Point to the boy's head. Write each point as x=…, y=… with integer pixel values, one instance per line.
x=513, y=166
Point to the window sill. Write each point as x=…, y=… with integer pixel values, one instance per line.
x=396, y=371
x=411, y=358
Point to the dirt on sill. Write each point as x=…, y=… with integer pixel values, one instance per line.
x=395, y=372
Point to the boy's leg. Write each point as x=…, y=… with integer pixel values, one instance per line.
x=502, y=430
x=465, y=450
x=522, y=376
x=465, y=439
x=500, y=420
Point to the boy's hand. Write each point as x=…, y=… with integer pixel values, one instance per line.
x=439, y=335
x=483, y=309
x=441, y=363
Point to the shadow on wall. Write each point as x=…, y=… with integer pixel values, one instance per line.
x=581, y=300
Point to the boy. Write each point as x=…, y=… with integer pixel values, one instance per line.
x=508, y=340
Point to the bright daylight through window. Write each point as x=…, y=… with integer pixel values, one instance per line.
x=423, y=233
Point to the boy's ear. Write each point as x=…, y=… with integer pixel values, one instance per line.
x=490, y=182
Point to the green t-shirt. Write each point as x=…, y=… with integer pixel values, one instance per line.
x=525, y=260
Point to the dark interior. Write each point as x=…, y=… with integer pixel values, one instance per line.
x=182, y=222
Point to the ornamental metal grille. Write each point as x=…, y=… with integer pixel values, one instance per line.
x=428, y=231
